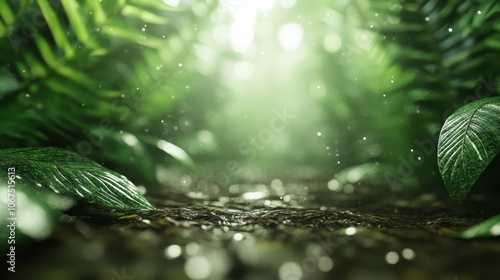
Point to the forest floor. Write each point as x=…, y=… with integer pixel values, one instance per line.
x=271, y=229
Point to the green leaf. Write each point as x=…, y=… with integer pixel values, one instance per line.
x=69, y=174
x=46, y=52
x=158, y=5
x=38, y=68
x=123, y=149
x=488, y=228
x=72, y=9
x=97, y=11
x=141, y=14
x=6, y=12
x=8, y=81
x=132, y=33
x=469, y=141
x=56, y=27
x=2, y=29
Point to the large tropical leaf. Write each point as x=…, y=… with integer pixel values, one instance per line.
x=469, y=141
x=69, y=174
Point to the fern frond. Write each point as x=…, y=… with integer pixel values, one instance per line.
x=60, y=59
x=448, y=44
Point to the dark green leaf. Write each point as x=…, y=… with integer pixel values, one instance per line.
x=132, y=33
x=71, y=175
x=46, y=52
x=159, y=5
x=38, y=68
x=6, y=12
x=56, y=27
x=73, y=12
x=123, y=149
x=141, y=14
x=488, y=228
x=8, y=82
x=469, y=141
x=99, y=16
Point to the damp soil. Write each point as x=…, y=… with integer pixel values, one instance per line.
x=294, y=228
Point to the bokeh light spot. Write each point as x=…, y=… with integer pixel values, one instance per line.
x=332, y=42
x=290, y=35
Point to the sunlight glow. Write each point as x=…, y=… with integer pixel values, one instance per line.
x=241, y=34
x=173, y=150
x=242, y=30
x=287, y=4
x=495, y=230
x=198, y=268
x=290, y=35
x=265, y=5
x=350, y=231
x=33, y=219
x=332, y=42
x=325, y=264
x=238, y=236
x=172, y=251
x=408, y=254
x=130, y=139
x=255, y=195
x=392, y=258
x=243, y=69
x=334, y=185
x=173, y=3
x=290, y=271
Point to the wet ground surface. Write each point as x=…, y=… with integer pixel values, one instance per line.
x=271, y=229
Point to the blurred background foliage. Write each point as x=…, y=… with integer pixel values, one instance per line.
x=360, y=86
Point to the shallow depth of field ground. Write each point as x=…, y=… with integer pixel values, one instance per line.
x=288, y=226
